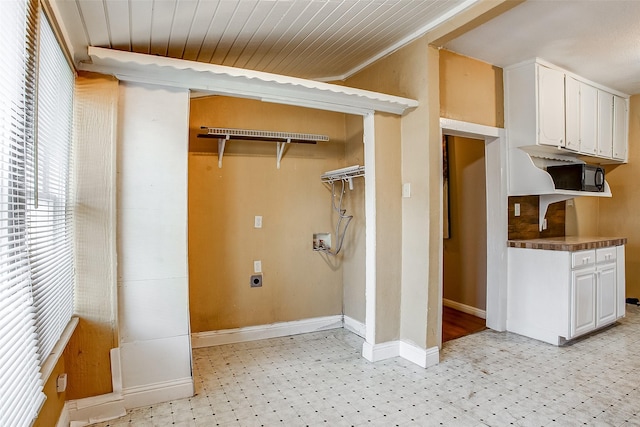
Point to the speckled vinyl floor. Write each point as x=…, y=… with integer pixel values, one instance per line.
x=486, y=379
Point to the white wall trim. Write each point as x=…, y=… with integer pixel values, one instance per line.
x=464, y=308
x=95, y=409
x=370, y=227
x=352, y=325
x=497, y=220
x=382, y=351
x=104, y=407
x=64, y=420
x=423, y=357
x=260, y=332
x=386, y=350
x=149, y=394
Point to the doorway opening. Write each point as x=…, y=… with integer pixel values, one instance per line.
x=465, y=237
x=495, y=224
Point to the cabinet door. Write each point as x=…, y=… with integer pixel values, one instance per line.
x=550, y=107
x=588, y=119
x=583, y=301
x=572, y=113
x=605, y=124
x=620, y=135
x=606, y=294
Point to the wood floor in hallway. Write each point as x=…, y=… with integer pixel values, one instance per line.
x=456, y=324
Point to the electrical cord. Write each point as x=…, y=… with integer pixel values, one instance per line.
x=341, y=230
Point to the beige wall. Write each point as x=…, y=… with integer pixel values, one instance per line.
x=223, y=243
x=470, y=90
x=618, y=216
x=465, y=253
x=404, y=259
x=87, y=354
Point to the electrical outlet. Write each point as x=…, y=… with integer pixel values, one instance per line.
x=257, y=223
x=544, y=224
x=516, y=209
x=257, y=266
x=256, y=281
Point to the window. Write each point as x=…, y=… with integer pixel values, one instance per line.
x=36, y=253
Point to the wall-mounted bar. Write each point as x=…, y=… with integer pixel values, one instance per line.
x=345, y=174
x=281, y=139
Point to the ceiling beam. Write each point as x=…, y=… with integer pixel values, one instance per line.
x=468, y=19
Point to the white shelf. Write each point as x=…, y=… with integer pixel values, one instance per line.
x=280, y=138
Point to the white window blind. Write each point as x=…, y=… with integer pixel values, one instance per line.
x=49, y=226
x=20, y=383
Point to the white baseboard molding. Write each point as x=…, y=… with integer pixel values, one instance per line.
x=95, y=409
x=82, y=412
x=135, y=397
x=464, y=308
x=420, y=356
x=376, y=352
x=64, y=420
x=352, y=325
x=274, y=330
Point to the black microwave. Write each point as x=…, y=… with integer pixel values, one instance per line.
x=579, y=177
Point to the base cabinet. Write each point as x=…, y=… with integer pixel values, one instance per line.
x=583, y=301
x=555, y=296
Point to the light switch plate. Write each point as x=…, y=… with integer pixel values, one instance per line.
x=257, y=266
x=516, y=209
x=406, y=190
x=257, y=223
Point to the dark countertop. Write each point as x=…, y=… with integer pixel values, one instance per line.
x=568, y=243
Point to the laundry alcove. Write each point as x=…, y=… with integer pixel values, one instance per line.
x=298, y=283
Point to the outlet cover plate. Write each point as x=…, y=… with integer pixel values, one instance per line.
x=256, y=281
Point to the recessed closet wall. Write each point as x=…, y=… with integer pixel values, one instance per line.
x=298, y=283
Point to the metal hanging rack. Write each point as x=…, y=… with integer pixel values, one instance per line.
x=281, y=138
x=344, y=174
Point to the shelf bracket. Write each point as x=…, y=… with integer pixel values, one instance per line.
x=544, y=202
x=280, y=149
x=222, y=142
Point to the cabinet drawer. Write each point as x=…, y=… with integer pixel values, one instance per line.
x=606, y=254
x=583, y=258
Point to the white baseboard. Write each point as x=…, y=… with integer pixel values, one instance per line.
x=352, y=325
x=376, y=352
x=64, y=420
x=82, y=412
x=95, y=409
x=260, y=332
x=464, y=308
x=135, y=397
x=420, y=356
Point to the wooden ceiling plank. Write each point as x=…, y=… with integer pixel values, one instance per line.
x=217, y=26
x=270, y=28
x=183, y=21
x=141, y=14
x=233, y=34
x=161, y=23
x=201, y=21
x=119, y=20
x=95, y=20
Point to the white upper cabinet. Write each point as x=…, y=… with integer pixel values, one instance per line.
x=620, y=128
x=605, y=124
x=581, y=109
x=552, y=111
x=572, y=113
x=588, y=119
x=550, y=107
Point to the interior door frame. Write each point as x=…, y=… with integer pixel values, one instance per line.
x=497, y=217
